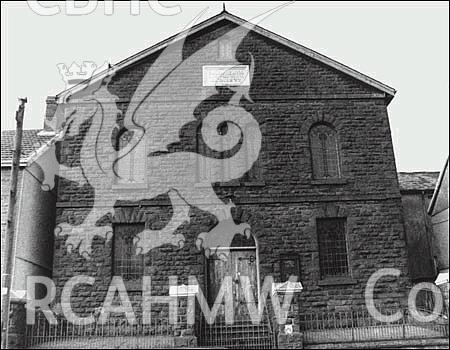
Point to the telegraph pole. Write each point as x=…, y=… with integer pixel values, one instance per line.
x=10, y=238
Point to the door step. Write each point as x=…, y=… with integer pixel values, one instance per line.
x=242, y=336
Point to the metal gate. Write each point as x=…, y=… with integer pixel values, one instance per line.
x=242, y=334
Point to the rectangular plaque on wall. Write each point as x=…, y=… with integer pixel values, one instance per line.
x=226, y=75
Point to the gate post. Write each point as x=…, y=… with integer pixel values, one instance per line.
x=289, y=340
x=17, y=324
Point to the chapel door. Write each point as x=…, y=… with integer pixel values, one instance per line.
x=240, y=266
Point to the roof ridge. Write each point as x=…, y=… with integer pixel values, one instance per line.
x=225, y=15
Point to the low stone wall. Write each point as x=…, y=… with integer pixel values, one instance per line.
x=290, y=341
x=43, y=337
x=441, y=343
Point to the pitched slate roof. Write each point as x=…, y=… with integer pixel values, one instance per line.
x=31, y=141
x=418, y=181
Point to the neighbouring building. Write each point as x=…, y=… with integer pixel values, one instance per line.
x=417, y=189
x=34, y=222
x=35, y=210
x=322, y=197
x=425, y=201
x=438, y=211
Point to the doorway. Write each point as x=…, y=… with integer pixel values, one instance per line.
x=242, y=263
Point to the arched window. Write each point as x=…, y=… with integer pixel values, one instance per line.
x=324, y=151
x=131, y=168
x=126, y=262
x=205, y=173
x=243, y=160
x=253, y=151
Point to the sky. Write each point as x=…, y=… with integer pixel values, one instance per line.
x=403, y=44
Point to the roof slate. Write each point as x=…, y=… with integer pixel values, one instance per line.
x=418, y=181
x=31, y=141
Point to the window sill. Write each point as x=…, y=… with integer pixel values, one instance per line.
x=254, y=184
x=338, y=281
x=128, y=186
x=226, y=60
x=232, y=184
x=221, y=184
x=202, y=184
x=242, y=184
x=329, y=182
x=133, y=285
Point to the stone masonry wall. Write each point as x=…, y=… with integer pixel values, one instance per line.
x=290, y=93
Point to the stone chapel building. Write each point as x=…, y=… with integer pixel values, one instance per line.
x=322, y=198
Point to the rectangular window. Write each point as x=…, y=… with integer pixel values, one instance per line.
x=204, y=173
x=225, y=49
x=126, y=263
x=289, y=266
x=332, y=247
x=253, y=151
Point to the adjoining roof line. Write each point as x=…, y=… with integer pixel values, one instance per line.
x=32, y=139
x=417, y=181
x=224, y=15
x=438, y=187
